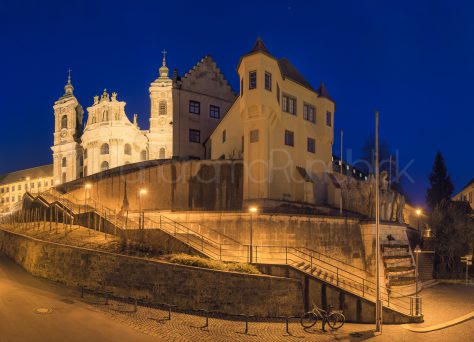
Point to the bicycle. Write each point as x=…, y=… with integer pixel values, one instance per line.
x=335, y=319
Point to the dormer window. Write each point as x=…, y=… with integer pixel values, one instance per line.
x=252, y=80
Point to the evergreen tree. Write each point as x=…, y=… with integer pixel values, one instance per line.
x=441, y=187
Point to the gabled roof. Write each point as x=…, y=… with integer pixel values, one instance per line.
x=197, y=66
x=44, y=171
x=471, y=182
x=289, y=71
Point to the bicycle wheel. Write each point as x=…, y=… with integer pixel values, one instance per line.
x=308, y=320
x=336, y=320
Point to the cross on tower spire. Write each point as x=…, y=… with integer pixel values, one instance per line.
x=69, y=75
x=164, y=52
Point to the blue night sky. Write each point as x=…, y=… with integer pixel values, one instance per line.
x=412, y=60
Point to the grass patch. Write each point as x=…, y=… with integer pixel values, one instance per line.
x=192, y=260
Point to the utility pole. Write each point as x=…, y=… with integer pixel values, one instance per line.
x=342, y=178
x=378, y=309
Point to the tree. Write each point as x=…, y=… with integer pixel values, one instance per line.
x=452, y=224
x=441, y=187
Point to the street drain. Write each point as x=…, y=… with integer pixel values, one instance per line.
x=43, y=311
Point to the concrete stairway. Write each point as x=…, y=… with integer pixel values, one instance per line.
x=399, y=267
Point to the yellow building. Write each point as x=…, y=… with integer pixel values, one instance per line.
x=13, y=185
x=282, y=129
x=466, y=194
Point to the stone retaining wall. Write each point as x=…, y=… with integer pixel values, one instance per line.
x=155, y=281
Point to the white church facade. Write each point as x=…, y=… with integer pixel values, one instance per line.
x=183, y=113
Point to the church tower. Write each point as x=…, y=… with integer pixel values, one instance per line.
x=67, y=151
x=161, y=115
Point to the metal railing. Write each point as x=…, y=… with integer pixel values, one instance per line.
x=338, y=273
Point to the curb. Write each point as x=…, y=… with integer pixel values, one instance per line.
x=441, y=325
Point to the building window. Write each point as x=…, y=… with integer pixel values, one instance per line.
x=223, y=135
x=195, y=107
x=254, y=136
x=289, y=104
x=289, y=138
x=85, y=153
x=311, y=146
x=64, y=122
x=194, y=135
x=64, y=162
x=162, y=106
x=241, y=87
x=104, y=149
x=268, y=81
x=143, y=155
x=19, y=187
x=214, y=112
x=104, y=166
x=127, y=149
x=162, y=153
x=252, y=80
x=13, y=188
x=278, y=93
x=309, y=113
x=328, y=119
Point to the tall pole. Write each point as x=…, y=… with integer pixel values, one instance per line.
x=342, y=149
x=378, y=308
x=251, y=239
x=390, y=172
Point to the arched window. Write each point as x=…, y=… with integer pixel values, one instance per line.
x=117, y=116
x=162, y=107
x=127, y=149
x=105, y=115
x=64, y=162
x=104, y=149
x=104, y=166
x=143, y=155
x=63, y=177
x=162, y=153
x=64, y=122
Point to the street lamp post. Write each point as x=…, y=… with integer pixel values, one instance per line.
x=87, y=186
x=252, y=211
x=417, y=298
x=418, y=213
x=141, y=221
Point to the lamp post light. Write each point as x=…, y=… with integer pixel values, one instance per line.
x=252, y=210
x=140, y=193
x=417, y=298
x=418, y=214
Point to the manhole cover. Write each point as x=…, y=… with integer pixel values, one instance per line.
x=43, y=311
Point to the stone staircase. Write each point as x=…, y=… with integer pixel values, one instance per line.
x=399, y=266
x=397, y=258
x=425, y=267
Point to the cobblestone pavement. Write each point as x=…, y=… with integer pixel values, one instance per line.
x=190, y=326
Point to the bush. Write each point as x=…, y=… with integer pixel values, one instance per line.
x=196, y=261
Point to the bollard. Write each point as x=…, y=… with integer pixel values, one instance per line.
x=206, y=316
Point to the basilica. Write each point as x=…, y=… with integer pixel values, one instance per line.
x=184, y=111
